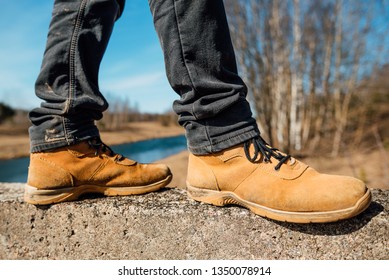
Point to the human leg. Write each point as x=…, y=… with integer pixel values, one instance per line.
x=201, y=68
x=78, y=35
x=67, y=157
x=229, y=163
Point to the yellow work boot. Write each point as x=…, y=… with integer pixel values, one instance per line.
x=89, y=167
x=274, y=185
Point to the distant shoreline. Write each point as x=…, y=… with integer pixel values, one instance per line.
x=17, y=146
x=372, y=171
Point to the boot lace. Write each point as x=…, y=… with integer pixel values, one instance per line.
x=100, y=146
x=261, y=147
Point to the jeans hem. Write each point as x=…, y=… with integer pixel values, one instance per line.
x=64, y=141
x=224, y=142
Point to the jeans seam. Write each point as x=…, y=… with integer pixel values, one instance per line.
x=182, y=53
x=208, y=135
x=72, y=63
x=188, y=71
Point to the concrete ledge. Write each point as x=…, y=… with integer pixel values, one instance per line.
x=167, y=225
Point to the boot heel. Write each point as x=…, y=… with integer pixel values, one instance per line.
x=43, y=197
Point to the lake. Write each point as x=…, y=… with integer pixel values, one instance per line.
x=15, y=170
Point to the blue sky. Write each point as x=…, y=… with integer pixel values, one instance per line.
x=132, y=68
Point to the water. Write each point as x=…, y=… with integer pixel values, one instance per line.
x=15, y=170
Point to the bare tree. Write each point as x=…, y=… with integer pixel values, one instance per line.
x=302, y=61
x=297, y=98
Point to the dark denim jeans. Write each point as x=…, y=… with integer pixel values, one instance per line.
x=200, y=66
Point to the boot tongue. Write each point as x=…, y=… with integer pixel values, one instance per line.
x=101, y=148
x=81, y=149
x=125, y=161
x=96, y=147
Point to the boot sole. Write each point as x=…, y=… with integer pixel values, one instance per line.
x=37, y=196
x=222, y=198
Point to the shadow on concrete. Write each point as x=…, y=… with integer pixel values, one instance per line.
x=90, y=197
x=337, y=228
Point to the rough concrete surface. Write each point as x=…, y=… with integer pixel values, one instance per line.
x=168, y=225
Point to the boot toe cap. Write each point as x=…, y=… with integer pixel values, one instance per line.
x=337, y=192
